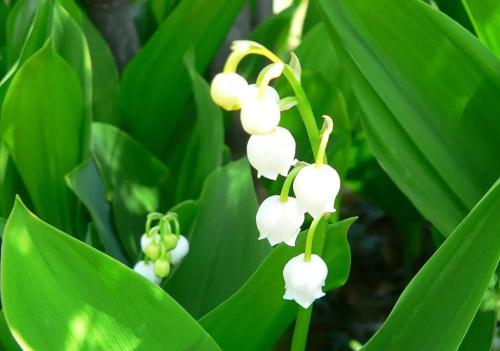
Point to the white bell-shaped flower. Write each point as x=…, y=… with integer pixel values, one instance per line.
x=316, y=188
x=146, y=269
x=180, y=250
x=227, y=90
x=148, y=239
x=272, y=154
x=260, y=114
x=304, y=280
x=279, y=222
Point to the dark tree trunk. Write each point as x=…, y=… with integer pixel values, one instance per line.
x=114, y=20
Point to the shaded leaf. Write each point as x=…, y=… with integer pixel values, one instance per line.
x=155, y=84
x=44, y=97
x=86, y=183
x=224, y=247
x=135, y=181
x=204, y=152
x=446, y=293
x=481, y=332
x=7, y=341
x=485, y=16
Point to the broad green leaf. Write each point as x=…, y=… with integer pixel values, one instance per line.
x=7, y=342
x=444, y=296
x=224, y=247
x=485, y=16
x=429, y=91
x=136, y=182
x=155, y=84
x=258, y=306
x=455, y=9
x=71, y=44
x=42, y=125
x=204, y=152
x=2, y=225
x=186, y=214
x=481, y=332
x=104, y=76
x=86, y=183
x=90, y=301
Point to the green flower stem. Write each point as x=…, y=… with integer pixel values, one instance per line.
x=285, y=190
x=310, y=238
x=299, y=339
x=303, y=105
x=327, y=130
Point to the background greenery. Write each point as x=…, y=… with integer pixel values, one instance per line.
x=106, y=116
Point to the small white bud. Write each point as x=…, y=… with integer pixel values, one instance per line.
x=148, y=239
x=316, y=188
x=227, y=90
x=260, y=114
x=180, y=250
x=279, y=221
x=304, y=280
x=146, y=269
x=272, y=154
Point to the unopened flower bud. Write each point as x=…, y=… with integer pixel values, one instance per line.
x=304, y=280
x=279, y=221
x=260, y=114
x=272, y=154
x=180, y=251
x=227, y=89
x=146, y=269
x=170, y=241
x=316, y=188
x=152, y=251
x=146, y=239
x=161, y=267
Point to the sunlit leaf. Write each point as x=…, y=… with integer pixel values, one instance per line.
x=485, y=16
x=90, y=301
x=429, y=91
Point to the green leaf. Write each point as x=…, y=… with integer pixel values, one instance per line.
x=269, y=314
x=429, y=93
x=86, y=183
x=481, y=332
x=204, y=152
x=136, y=182
x=90, y=301
x=155, y=84
x=10, y=181
x=444, y=296
x=2, y=225
x=71, y=44
x=485, y=16
x=42, y=125
x=27, y=29
x=224, y=247
x=7, y=341
x=104, y=76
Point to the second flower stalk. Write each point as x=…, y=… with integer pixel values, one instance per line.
x=271, y=151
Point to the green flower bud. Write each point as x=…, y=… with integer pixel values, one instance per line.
x=162, y=268
x=152, y=251
x=170, y=241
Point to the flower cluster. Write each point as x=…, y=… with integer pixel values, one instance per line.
x=162, y=246
x=271, y=151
